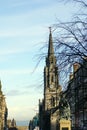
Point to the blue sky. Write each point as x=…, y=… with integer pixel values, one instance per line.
x=23, y=30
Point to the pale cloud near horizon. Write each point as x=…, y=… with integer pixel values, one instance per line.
x=28, y=106
x=17, y=92
x=24, y=92
x=23, y=110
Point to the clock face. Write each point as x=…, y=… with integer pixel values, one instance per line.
x=51, y=86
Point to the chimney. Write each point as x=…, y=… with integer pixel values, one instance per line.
x=71, y=76
x=75, y=67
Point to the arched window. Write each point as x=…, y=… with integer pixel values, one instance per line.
x=53, y=101
x=52, y=78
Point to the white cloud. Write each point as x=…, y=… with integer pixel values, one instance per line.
x=23, y=71
x=12, y=51
x=32, y=31
x=33, y=15
x=21, y=92
x=13, y=93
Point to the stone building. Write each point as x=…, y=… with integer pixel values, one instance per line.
x=3, y=110
x=48, y=107
x=34, y=123
x=11, y=124
x=77, y=95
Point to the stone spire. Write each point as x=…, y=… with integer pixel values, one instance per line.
x=13, y=123
x=51, y=59
x=50, y=47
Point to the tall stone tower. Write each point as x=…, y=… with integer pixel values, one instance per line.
x=51, y=82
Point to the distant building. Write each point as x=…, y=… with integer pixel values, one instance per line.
x=3, y=110
x=12, y=128
x=48, y=107
x=76, y=94
x=9, y=123
x=12, y=124
x=34, y=123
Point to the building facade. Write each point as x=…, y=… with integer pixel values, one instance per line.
x=48, y=108
x=3, y=111
x=77, y=95
x=34, y=123
x=11, y=124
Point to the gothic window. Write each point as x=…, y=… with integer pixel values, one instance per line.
x=51, y=60
x=52, y=78
x=53, y=101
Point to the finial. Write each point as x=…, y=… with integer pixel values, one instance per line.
x=50, y=29
x=50, y=46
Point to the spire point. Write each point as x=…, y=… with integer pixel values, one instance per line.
x=50, y=29
x=50, y=47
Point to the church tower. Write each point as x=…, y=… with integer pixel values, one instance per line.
x=51, y=82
